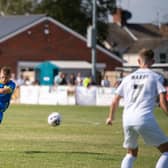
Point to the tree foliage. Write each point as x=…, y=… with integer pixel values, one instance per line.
x=65, y=11
x=77, y=14
x=10, y=7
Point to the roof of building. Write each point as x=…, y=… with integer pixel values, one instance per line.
x=132, y=37
x=13, y=25
x=144, y=43
x=144, y=30
x=72, y=64
x=118, y=37
x=63, y=64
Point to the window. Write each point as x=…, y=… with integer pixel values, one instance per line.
x=162, y=58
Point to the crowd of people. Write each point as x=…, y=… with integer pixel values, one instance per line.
x=63, y=78
x=21, y=80
x=77, y=80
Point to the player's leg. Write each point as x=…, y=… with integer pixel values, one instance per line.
x=163, y=160
x=129, y=158
x=153, y=135
x=1, y=117
x=130, y=142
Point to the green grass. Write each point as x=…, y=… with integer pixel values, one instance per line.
x=81, y=141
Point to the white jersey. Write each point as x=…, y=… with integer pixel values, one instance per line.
x=140, y=90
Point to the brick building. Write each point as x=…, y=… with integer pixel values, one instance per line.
x=28, y=40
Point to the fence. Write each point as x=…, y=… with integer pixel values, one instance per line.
x=63, y=95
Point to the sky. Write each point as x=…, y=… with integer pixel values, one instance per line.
x=145, y=11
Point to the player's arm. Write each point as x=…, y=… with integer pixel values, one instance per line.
x=163, y=102
x=5, y=90
x=113, y=109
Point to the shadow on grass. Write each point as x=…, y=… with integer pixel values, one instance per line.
x=104, y=156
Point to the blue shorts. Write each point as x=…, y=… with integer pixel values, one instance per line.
x=1, y=116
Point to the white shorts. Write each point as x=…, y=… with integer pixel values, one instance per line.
x=150, y=132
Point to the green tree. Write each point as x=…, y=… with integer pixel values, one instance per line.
x=77, y=14
x=9, y=7
x=65, y=11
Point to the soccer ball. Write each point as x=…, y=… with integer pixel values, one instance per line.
x=54, y=119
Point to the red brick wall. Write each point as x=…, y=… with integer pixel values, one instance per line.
x=34, y=45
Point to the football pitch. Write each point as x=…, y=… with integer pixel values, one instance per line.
x=81, y=141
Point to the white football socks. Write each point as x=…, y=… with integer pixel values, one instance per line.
x=128, y=161
x=163, y=161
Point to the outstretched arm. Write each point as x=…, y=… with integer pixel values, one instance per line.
x=163, y=102
x=5, y=90
x=113, y=109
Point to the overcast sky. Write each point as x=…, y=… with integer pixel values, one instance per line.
x=146, y=10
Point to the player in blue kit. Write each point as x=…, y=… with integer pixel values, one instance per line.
x=7, y=88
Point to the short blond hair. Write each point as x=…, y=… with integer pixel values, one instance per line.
x=147, y=55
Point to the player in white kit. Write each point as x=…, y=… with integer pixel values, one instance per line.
x=140, y=90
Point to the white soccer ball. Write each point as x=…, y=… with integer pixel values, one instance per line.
x=54, y=119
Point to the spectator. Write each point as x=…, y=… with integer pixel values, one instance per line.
x=20, y=80
x=27, y=81
x=58, y=78
x=63, y=79
x=105, y=82
x=78, y=79
x=86, y=81
x=13, y=78
x=72, y=79
x=36, y=82
x=119, y=80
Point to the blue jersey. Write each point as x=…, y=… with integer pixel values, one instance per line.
x=5, y=98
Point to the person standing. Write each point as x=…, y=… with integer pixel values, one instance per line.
x=72, y=79
x=105, y=82
x=7, y=88
x=78, y=80
x=58, y=79
x=140, y=90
